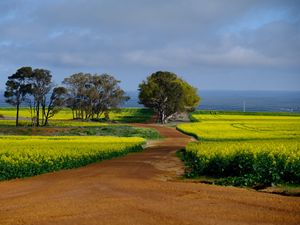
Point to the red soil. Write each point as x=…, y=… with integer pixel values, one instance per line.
x=141, y=188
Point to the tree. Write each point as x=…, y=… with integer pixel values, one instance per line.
x=56, y=103
x=109, y=94
x=17, y=87
x=90, y=96
x=32, y=87
x=76, y=85
x=41, y=85
x=167, y=95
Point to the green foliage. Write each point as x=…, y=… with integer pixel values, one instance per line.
x=22, y=156
x=102, y=130
x=244, y=150
x=17, y=87
x=113, y=130
x=90, y=96
x=167, y=94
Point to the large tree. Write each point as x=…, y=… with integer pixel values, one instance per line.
x=90, y=95
x=17, y=87
x=167, y=95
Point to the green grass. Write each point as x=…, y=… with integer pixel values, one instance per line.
x=22, y=156
x=115, y=130
x=104, y=130
x=245, y=150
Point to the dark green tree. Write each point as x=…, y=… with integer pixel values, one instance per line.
x=17, y=87
x=167, y=95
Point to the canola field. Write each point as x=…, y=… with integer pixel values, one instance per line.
x=244, y=150
x=53, y=123
x=126, y=115
x=22, y=156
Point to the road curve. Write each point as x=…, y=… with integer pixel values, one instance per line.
x=138, y=189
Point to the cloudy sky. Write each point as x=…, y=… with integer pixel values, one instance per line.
x=225, y=44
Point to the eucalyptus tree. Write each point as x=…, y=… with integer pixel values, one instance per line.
x=90, y=96
x=32, y=87
x=41, y=85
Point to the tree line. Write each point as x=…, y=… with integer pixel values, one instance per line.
x=87, y=95
x=90, y=96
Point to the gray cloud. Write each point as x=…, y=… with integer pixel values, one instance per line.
x=134, y=38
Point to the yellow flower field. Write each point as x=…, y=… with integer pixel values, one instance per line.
x=22, y=156
x=245, y=149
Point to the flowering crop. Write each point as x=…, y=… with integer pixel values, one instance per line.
x=245, y=149
x=22, y=156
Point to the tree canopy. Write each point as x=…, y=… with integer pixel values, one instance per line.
x=92, y=95
x=167, y=95
x=17, y=87
x=88, y=95
x=32, y=86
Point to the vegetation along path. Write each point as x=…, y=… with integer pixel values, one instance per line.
x=141, y=188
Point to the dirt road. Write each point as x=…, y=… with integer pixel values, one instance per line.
x=140, y=188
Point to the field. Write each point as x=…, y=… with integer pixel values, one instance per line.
x=67, y=143
x=22, y=156
x=252, y=149
x=125, y=115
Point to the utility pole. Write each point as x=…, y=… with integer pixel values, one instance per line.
x=244, y=106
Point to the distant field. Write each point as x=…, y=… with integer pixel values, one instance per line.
x=224, y=127
x=22, y=156
x=125, y=115
x=250, y=149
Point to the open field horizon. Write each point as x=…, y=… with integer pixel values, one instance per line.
x=260, y=101
x=150, y=112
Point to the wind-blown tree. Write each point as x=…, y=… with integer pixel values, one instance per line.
x=167, y=95
x=90, y=96
x=17, y=87
x=56, y=103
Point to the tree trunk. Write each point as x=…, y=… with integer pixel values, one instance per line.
x=46, y=119
x=48, y=112
x=43, y=112
x=17, y=116
x=38, y=114
x=162, y=117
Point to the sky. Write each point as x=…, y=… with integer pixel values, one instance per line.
x=213, y=44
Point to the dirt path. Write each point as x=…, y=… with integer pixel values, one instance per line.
x=140, y=188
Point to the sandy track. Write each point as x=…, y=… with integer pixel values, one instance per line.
x=140, y=188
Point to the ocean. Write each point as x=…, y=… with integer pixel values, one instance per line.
x=250, y=101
